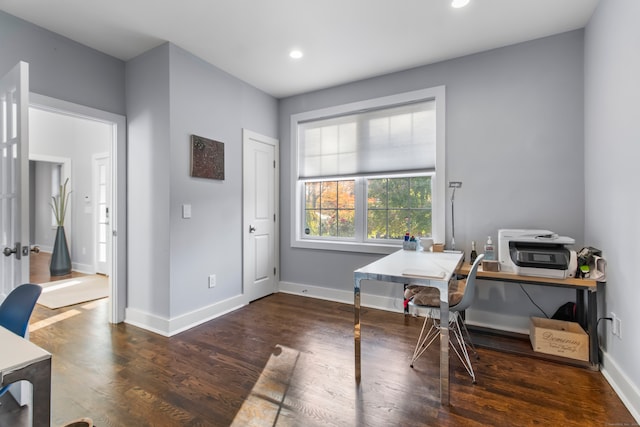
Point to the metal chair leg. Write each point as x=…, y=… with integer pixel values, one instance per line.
x=469, y=341
x=461, y=348
x=457, y=341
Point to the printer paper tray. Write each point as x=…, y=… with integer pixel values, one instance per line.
x=541, y=272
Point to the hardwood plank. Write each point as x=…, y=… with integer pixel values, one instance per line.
x=287, y=360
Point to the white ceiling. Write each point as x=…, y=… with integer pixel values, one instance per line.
x=343, y=40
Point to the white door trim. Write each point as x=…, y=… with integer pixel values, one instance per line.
x=248, y=135
x=118, y=276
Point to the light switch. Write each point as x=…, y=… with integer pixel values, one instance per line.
x=186, y=211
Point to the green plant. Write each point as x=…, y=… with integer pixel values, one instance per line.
x=60, y=203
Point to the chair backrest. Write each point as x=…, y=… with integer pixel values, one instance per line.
x=470, y=288
x=16, y=309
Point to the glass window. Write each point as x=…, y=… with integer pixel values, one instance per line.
x=367, y=173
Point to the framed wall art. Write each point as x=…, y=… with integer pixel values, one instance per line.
x=207, y=158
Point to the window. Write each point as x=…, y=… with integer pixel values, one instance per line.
x=366, y=173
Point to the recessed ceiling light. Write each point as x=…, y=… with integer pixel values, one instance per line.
x=296, y=54
x=459, y=3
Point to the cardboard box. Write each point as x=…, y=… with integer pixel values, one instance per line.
x=558, y=337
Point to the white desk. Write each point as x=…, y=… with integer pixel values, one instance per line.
x=20, y=360
x=433, y=269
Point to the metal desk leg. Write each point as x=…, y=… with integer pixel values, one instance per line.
x=356, y=331
x=444, y=345
x=592, y=322
x=580, y=312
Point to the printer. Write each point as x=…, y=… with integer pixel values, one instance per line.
x=539, y=253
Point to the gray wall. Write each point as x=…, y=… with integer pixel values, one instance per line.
x=171, y=95
x=515, y=140
x=61, y=68
x=612, y=150
x=148, y=118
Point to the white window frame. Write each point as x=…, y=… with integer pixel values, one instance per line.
x=438, y=181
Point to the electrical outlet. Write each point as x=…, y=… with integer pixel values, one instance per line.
x=212, y=280
x=615, y=324
x=455, y=184
x=618, y=326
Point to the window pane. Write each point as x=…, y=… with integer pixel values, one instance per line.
x=421, y=222
x=312, y=223
x=329, y=195
x=377, y=197
x=346, y=223
x=330, y=208
x=420, y=194
x=328, y=223
x=399, y=193
x=312, y=195
x=398, y=223
x=409, y=207
x=346, y=194
x=377, y=224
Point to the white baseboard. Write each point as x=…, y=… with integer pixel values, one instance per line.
x=624, y=388
x=169, y=327
x=83, y=268
x=75, y=266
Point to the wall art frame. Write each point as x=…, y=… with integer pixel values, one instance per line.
x=207, y=158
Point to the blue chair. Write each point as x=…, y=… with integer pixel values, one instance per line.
x=460, y=339
x=16, y=310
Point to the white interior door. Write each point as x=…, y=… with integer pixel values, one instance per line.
x=260, y=222
x=102, y=197
x=14, y=190
x=14, y=176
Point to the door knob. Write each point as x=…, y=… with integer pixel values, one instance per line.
x=252, y=229
x=9, y=251
x=15, y=250
x=35, y=249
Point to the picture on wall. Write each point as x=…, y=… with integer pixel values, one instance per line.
x=207, y=158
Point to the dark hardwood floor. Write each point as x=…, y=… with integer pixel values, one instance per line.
x=287, y=360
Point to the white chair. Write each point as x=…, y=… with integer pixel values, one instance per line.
x=461, y=294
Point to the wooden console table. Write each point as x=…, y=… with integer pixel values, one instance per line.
x=587, y=315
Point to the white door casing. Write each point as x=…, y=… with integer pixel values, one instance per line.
x=14, y=178
x=260, y=215
x=117, y=212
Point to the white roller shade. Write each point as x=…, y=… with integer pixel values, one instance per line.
x=390, y=140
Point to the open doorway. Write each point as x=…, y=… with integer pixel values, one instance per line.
x=64, y=150
x=82, y=144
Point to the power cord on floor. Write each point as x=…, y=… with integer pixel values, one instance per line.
x=532, y=301
x=547, y=316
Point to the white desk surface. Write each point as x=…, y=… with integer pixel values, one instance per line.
x=17, y=352
x=417, y=264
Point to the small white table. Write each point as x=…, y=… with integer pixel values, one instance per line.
x=21, y=360
x=433, y=269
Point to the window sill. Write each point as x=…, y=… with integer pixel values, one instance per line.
x=370, y=248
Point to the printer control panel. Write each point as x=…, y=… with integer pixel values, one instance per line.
x=555, y=257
